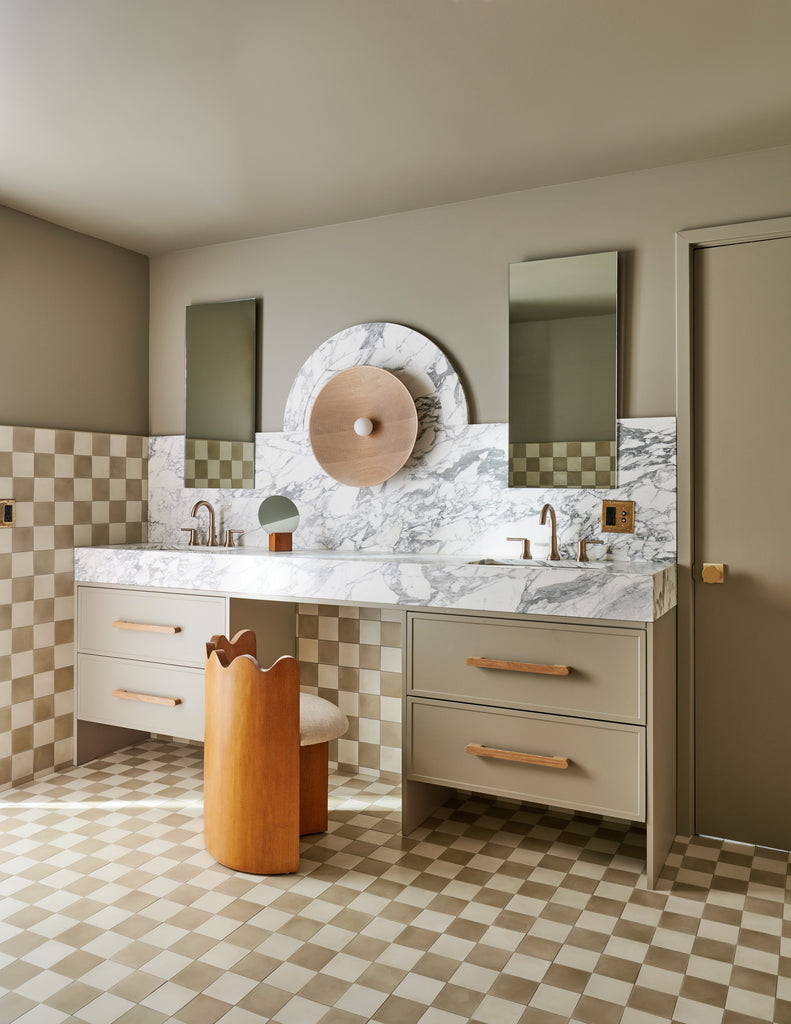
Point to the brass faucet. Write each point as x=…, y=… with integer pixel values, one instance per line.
x=554, y=555
x=212, y=531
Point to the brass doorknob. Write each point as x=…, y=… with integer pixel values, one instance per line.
x=713, y=572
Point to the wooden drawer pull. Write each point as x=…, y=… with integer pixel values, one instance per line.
x=145, y=627
x=147, y=698
x=515, y=755
x=520, y=666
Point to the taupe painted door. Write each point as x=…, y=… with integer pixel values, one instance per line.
x=742, y=426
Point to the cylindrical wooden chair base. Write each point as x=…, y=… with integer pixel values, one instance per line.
x=251, y=764
x=262, y=790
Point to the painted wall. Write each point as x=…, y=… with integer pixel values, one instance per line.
x=73, y=388
x=74, y=341
x=444, y=272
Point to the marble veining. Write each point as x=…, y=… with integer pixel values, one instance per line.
x=453, y=499
x=631, y=592
x=417, y=362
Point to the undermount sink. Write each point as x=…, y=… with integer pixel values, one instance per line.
x=542, y=563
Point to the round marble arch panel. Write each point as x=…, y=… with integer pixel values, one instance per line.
x=415, y=360
x=350, y=403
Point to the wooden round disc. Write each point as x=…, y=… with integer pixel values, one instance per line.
x=374, y=393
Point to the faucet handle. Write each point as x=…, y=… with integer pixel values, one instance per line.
x=582, y=548
x=525, y=551
x=229, y=537
x=192, y=531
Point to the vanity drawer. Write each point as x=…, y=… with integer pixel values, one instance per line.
x=606, y=677
x=171, y=628
x=605, y=774
x=99, y=677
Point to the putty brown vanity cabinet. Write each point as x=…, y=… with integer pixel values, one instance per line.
x=140, y=658
x=569, y=714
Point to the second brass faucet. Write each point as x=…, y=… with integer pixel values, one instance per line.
x=554, y=554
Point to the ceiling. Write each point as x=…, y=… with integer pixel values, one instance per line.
x=168, y=124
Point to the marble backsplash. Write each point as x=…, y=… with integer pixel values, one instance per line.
x=450, y=498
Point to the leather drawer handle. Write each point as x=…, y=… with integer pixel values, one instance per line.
x=515, y=755
x=145, y=627
x=147, y=698
x=520, y=666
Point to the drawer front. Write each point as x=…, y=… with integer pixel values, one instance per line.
x=606, y=677
x=98, y=677
x=605, y=775
x=108, y=621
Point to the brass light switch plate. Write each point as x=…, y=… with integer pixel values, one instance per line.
x=617, y=517
x=7, y=513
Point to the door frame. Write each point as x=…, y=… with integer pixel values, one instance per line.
x=686, y=243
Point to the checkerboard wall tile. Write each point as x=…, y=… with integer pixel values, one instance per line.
x=71, y=488
x=219, y=463
x=352, y=657
x=562, y=464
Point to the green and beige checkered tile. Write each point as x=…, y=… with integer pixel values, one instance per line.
x=71, y=488
x=492, y=913
x=353, y=658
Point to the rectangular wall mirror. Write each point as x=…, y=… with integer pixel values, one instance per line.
x=562, y=372
x=219, y=443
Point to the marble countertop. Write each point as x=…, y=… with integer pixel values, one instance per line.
x=630, y=591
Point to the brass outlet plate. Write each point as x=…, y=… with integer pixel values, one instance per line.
x=7, y=513
x=617, y=517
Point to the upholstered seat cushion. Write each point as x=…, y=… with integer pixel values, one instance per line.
x=319, y=721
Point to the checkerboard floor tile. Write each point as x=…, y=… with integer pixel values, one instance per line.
x=492, y=912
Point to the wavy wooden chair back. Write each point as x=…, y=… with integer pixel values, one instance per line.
x=251, y=758
x=242, y=642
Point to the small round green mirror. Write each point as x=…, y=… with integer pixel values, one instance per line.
x=278, y=515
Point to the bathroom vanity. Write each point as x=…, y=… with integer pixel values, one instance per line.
x=568, y=713
x=547, y=683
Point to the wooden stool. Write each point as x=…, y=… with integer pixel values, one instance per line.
x=265, y=758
